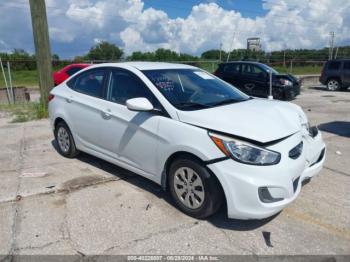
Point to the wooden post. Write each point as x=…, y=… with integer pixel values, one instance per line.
x=42, y=48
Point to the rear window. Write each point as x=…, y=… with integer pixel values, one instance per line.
x=73, y=70
x=334, y=65
x=89, y=82
x=231, y=68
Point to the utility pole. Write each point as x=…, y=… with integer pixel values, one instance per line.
x=42, y=48
x=229, y=52
x=336, y=53
x=331, y=45
x=220, y=51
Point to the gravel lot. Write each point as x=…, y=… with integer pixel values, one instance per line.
x=85, y=206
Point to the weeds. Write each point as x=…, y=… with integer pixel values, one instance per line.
x=25, y=112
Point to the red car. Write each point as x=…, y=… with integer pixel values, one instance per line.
x=66, y=72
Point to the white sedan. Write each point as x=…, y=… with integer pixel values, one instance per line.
x=187, y=130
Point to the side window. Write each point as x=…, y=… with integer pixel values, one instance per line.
x=347, y=65
x=246, y=68
x=71, y=71
x=124, y=85
x=334, y=65
x=91, y=82
x=231, y=68
x=256, y=70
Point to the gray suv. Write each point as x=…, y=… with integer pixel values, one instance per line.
x=336, y=75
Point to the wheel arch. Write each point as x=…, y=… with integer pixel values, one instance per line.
x=187, y=155
x=57, y=120
x=335, y=78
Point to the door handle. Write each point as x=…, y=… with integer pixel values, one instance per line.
x=106, y=114
x=69, y=99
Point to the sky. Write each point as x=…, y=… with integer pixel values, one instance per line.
x=187, y=26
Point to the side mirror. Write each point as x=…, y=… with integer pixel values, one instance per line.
x=139, y=104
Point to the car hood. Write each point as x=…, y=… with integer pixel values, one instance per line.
x=257, y=119
x=288, y=77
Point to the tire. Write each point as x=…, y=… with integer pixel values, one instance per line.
x=205, y=202
x=289, y=95
x=333, y=84
x=278, y=94
x=64, y=140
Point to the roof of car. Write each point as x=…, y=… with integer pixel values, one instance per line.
x=149, y=65
x=78, y=64
x=338, y=60
x=242, y=62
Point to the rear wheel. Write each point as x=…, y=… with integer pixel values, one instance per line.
x=65, y=141
x=196, y=192
x=333, y=85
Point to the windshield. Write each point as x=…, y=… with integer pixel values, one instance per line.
x=267, y=68
x=192, y=89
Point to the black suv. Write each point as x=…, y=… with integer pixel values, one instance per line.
x=336, y=74
x=254, y=79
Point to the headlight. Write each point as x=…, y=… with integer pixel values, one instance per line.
x=286, y=82
x=244, y=152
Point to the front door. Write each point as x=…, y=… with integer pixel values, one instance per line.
x=132, y=136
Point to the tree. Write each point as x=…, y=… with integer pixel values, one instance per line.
x=104, y=51
x=55, y=57
x=213, y=54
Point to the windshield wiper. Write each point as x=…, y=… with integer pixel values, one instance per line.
x=228, y=101
x=191, y=105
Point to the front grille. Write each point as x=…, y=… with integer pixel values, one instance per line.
x=296, y=151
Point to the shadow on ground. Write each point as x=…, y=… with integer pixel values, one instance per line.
x=324, y=88
x=219, y=220
x=340, y=128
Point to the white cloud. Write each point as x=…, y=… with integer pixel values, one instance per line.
x=76, y=24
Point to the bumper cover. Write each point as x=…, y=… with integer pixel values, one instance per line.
x=241, y=183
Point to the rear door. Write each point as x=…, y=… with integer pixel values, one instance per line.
x=254, y=80
x=334, y=69
x=231, y=74
x=346, y=73
x=85, y=106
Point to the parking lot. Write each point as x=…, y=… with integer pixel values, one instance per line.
x=85, y=206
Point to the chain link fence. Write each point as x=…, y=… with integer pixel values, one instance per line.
x=23, y=72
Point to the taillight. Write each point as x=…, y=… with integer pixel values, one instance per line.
x=50, y=97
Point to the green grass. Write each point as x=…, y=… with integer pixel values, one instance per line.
x=27, y=78
x=25, y=112
x=300, y=70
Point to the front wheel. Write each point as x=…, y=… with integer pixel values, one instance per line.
x=333, y=85
x=196, y=192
